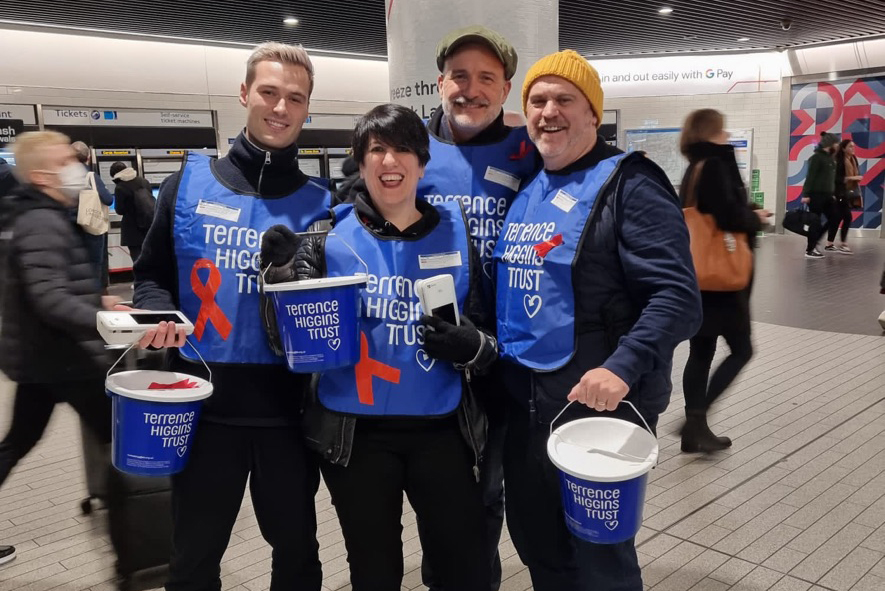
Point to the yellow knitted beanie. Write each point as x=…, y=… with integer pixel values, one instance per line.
x=567, y=64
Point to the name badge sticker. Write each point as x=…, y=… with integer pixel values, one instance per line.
x=501, y=177
x=563, y=201
x=218, y=210
x=439, y=261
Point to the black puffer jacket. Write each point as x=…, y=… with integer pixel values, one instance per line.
x=330, y=433
x=50, y=294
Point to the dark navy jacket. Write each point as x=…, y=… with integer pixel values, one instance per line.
x=636, y=294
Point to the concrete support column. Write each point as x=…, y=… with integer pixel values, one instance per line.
x=414, y=27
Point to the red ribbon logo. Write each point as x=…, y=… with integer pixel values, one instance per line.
x=366, y=369
x=524, y=150
x=544, y=248
x=209, y=310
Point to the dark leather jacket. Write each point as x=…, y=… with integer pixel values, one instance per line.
x=331, y=433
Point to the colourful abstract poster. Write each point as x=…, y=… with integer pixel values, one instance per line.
x=852, y=109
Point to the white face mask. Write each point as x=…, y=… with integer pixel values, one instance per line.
x=72, y=179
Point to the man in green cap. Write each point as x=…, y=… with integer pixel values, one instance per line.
x=479, y=160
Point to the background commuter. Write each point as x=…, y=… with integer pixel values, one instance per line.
x=135, y=203
x=818, y=190
x=717, y=189
x=848, y=179
x=49, y=344
x=97, y=245
x=7, y=179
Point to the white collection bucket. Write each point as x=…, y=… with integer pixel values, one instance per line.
x=603, y=467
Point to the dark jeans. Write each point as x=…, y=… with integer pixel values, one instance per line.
x=429, y=460
x=842, y=213
x=206, y=497
x=33, y=407
x=823, y=206
x=699, y=394
x=492, y=485
x=557, y=561
x=97, y=246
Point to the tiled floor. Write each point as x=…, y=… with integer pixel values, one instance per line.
x=797, y=504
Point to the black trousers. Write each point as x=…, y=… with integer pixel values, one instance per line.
x=134, y=253
x=842, y=213
x=491, y=483
x=206, y=497
x=699, y=388
x=827, y=207
x=429, y=461
x=33, y=407
x=557, y=561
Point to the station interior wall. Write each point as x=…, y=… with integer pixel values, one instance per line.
x=66, y=69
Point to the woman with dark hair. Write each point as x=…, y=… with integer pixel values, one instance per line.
x=403, y=419
x=847, y=190
x=713, y=184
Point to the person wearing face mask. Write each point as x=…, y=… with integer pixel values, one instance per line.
x=200, y=256
x=477, y=158
x=595, y=289
x=49, y=343
x=404, y=419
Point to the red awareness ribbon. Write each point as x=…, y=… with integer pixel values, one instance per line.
x=544, y=248
x=366, y=369
x=209, y=310
x=185, y=383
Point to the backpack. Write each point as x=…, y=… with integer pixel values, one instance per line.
x=92, y=215
x=723, y=261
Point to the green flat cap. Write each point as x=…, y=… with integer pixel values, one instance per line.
x=478, y=34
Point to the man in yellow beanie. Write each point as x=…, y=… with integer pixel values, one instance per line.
x=595, y=288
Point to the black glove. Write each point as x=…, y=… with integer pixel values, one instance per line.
x=278, y=246
x=448, y=342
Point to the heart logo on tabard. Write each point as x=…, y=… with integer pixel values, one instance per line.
x=424, y=360
x=181, y=451
x=532, y=304
x=611, y=525
x=334, y=344
x=487, y=269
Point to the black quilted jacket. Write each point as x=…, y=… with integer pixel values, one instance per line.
x=49, y=294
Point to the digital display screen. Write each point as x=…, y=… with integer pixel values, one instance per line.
x=156, y=318
x=446, y=312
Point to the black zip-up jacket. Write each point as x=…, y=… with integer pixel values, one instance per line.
x=330, y=433
x=251, y=395
x=136, y=204
x=49, y=294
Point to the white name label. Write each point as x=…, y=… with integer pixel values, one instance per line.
x=496, y=175
x=439, y=261
x=564, y=201
x=218, y=210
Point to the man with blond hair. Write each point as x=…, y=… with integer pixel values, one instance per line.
x=49, y=344
x=201, y=257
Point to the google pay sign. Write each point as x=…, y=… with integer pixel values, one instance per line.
x=689, y=75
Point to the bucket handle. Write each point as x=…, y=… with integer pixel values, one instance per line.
x=129, y=348
x=641, y=418
x=261, y=276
